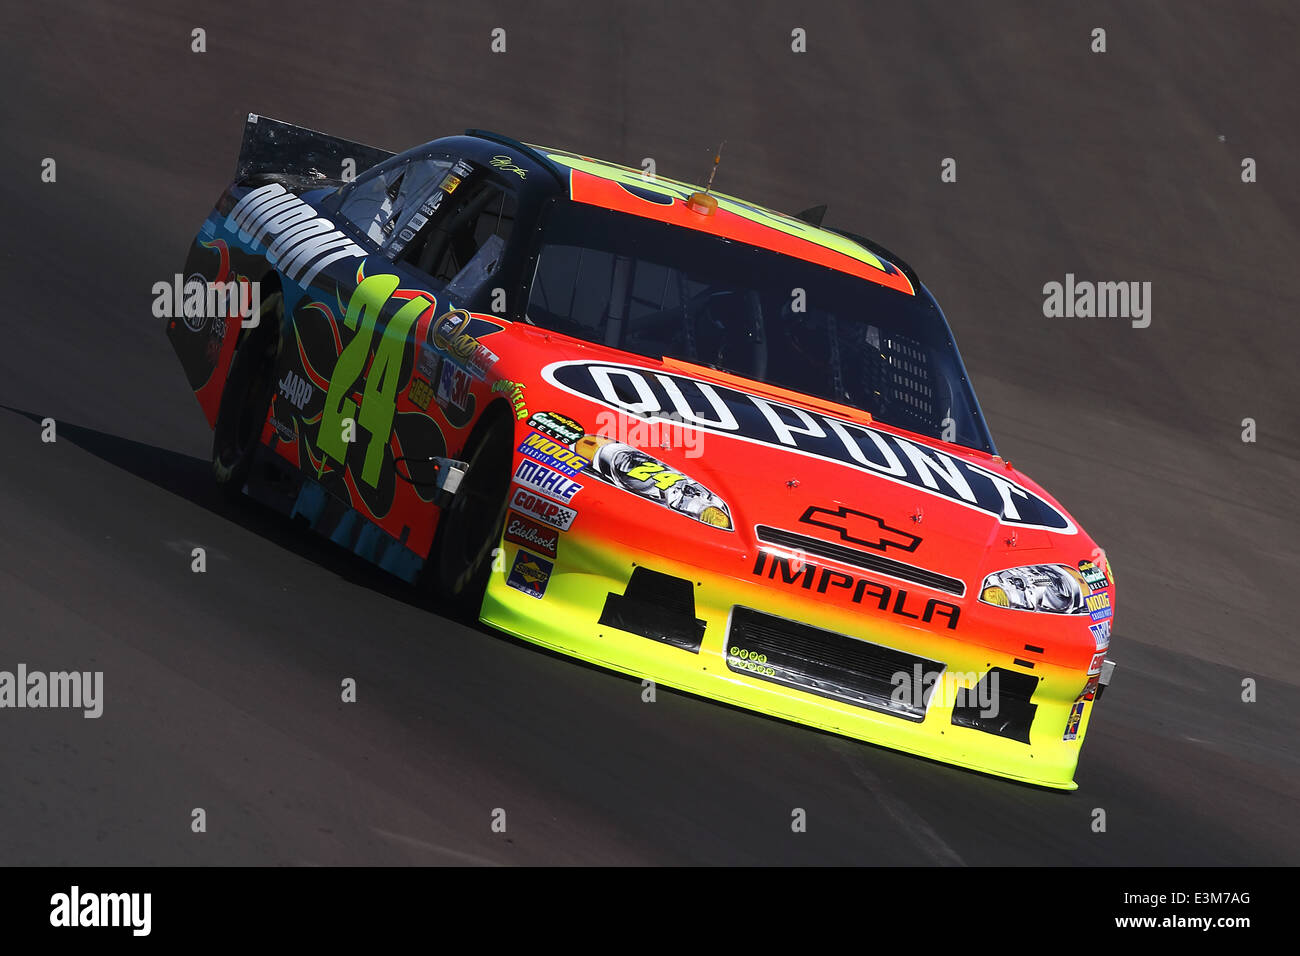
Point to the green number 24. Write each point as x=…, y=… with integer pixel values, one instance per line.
x=379, y=402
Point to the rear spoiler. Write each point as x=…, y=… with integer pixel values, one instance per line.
x=275, y=147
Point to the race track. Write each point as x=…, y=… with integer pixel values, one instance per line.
x=222, y=689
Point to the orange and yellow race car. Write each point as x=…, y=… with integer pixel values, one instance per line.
x=647, y=425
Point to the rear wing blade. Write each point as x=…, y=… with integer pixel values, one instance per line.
x=272, y=146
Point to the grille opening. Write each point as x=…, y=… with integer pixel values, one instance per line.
x=830, y=665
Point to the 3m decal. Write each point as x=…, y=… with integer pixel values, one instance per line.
x=533, y=475
x=795, y=572
x=562, y=428
x=544, y=509
x=530, y=574
x=379, y=402
x=564, y=460
x=299, y=241
x=524, y=530
x=667, y=397
x=454, y=386
x=858, y=527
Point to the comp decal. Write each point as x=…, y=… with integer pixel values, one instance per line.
x=677, y=399
x=543, y=509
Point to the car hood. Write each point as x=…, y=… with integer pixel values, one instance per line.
x=803, y=475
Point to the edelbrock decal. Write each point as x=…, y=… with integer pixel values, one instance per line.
x=667, y=397
x=299, y=241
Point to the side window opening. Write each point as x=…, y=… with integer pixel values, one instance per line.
x=464, y=243
x=386, y=199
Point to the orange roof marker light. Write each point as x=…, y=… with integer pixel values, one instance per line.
x=701, y=202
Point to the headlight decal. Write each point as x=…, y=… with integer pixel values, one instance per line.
x=1051, y=588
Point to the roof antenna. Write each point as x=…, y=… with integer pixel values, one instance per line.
x=701, y=202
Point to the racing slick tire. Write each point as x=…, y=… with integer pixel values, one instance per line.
x=246, y=400
x=469, y=533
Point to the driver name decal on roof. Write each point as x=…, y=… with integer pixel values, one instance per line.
x=671, y=398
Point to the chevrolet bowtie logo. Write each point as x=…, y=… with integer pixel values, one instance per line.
x=858, y=527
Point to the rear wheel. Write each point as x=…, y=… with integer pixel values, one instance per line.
x=246, y=400
x=470, y=530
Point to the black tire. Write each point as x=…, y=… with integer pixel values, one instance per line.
x=460, y=561
x=246, y=400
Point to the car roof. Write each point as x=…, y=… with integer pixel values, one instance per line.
x=584, y=179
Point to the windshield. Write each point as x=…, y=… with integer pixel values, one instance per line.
x=665, y=291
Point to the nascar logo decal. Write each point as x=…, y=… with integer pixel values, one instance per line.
x=726, y=411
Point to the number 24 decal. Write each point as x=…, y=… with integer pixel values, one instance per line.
x=379, y=402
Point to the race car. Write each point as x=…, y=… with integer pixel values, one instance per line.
x=647, y=425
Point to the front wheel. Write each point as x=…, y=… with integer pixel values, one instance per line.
x=460, y=561
x=246, y=401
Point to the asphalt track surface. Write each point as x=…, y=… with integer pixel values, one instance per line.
x=222, y=689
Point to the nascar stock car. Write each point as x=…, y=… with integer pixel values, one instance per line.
x=646, y=425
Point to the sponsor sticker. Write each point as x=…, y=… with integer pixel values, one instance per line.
x=420, y=393
x=427, y=363
x=562, y=428
x=543, y=509
x=533, y=475
x=1097, y=661
x=564, y=460
x=530, y=574
x=1094, y=575
x=453, y=386
x=1101, y=634
x=524, y=530
x=451, y=335
x=1076, y=718
x=1099, y=605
